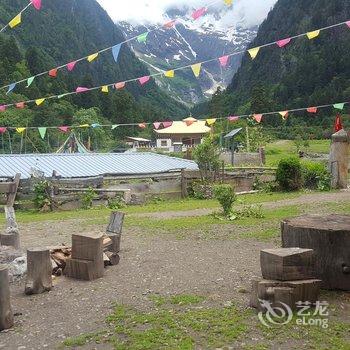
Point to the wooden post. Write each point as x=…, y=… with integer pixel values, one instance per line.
x=184, y=193
x=339, y=160
x=262, y=156
x=10, y=238
x=6, y=315
x=10, y=217
x=39, y=271
x=12, y=195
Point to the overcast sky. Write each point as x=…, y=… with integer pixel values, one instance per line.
x=152, y=10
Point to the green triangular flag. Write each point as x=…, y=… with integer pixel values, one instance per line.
x=29, y=81
x=42, y=132
x=114, y=126
x=142, y=38
x=339, y=106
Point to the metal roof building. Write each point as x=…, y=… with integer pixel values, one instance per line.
x=91, y=164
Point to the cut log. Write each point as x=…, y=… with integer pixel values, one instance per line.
x=113, y=258
x=112, y=243
x=115, y=223
x=11, y=238
x=39, y=271
x=6, y=315
x=329, y=237
x=10, y=217
x=288, y=292
x=287, y=264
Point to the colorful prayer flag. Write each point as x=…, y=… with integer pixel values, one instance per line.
x=114, y=126
x=84, y=126
x=95, y=125
x=3, y=130
x=42, y=132
x=30, y=81
x=223, y=61
x=142, y=38
x=199, y=13
x=196, y=69
x=105, y=89
x=284, y=114
x=312, y=109
x=228, y=2
x=119, y=85
x=10, y=88
x=39, y=101
x=20, y=130
x=36, y=4
x=170, y=74
x=283, y=42
x=314, y=34
x=144, y=80
x=348, y=23
x=233, y=118
x=167, y=124
x=92, y=57
x=15, y=21
x=116, y=51
x=211, y=121
x=53, y=73
x=71, y=65
x=170, y=24
x=338, y=124
x=189, y=121
x=142, y=125
x=64, y=129
x=254, y=52
x=20, y=105
x=339, y=106
x=258, y=117
x=2, y=108
x=157, y=125
x=80, y=89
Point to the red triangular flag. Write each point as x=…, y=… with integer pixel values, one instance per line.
x=170, y=24
x=2, y=130
x=258, y=117
x=20, y=105
x=120, y=85
x=167, y=124
x=338, y=124
x=312, y=109
x=63, y=128
x=142, y=125
x=53, y=73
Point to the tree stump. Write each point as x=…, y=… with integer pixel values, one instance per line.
x=6, y=315
x=329, y=237
x=39, y=271
x=10, y=238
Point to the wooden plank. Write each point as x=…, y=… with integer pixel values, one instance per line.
x=12, y=195
x=116, y=222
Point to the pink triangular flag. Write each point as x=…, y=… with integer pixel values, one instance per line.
x=142, y=125
x=36, y=4
x=81, y=89
x=71, y=65
x=223, y=61
x=258, y=117
x=283, y=42
x=157, y=125
x=2, y=130
x=232, y=118
x=312, y=109
x=199, y=13
x=119, y=85
x=144, y=80
x=63, y=128
x=2, y=108
x=167, y=124
x=348, y=23
x=20, y=105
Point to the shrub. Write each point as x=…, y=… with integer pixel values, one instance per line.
x=201, y=190
x=226, y=197
x=289, y=174
x=116, y=203
x=42, y=198
x=87, y=198
x=316, y=176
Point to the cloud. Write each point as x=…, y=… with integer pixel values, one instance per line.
x=152, y=11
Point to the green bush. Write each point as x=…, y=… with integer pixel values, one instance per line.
x=42, y=198
x=289, y=174
x=316, y=176
x=226, y=197
x=116, y=203
x=201, y=189
x=87, y=198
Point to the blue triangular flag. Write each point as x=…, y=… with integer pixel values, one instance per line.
x=116, y=51
x=11, y=87
x=95, y=125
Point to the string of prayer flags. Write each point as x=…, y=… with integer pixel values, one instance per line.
x=64, y=129
x=20, y=130
x=284, y=114
x=339, y=106
x=11, y=87
x=196, y=69
x=80, y=89
x=39, y=101
x=71, y=65
x=228, y=2
x=2, y=108
x=119, y=85
x=30, y=81
x=312, y=109
x=199, y=13
x=142, y=125
x=53, y=73
x=144, y=80
x=116, y=51
x=211, y=121
x=258, y=117
x=283, y=42
x=105, y=89
x=3, y=130
x=20, y=105
x=254, y=52
x=232, y=118
x=223, y=61
x=42, y=132
x=167, y=124
x=157, y=125
x=314, y=34
x=36, y=4
x=142, y=38
x=92, y=57
x=169, y=73
x=15, y=21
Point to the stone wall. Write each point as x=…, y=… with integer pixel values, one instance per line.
x=242, y=158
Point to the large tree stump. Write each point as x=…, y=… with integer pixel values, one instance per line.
x=287, y=264
x=6, y=315
x=39, y=271
x=10, y=238
x=329, y=237
x=87, y=257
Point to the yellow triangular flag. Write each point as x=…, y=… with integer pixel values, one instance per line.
x=105, y=89
x=20, y=130
x=84, y=126
x=228, y=2
x=196, y=68
x=210, y=121
x=15, y=21
x=254, y=52
x=92, y=57
x=169, y=74
x=39, y=101
x=314, y=34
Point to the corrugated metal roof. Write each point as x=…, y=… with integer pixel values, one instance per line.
x=92, y=164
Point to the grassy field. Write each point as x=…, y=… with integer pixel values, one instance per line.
x=284, y=148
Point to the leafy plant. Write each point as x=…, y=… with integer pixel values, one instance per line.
x=116, y=203
x=316, y=176
x=201, y=189
x=248, y=211
x=226, y=197
x=289, y=174
x=87, y=198
x=42, y=196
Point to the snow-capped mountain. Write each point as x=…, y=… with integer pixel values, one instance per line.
x=190, y=42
